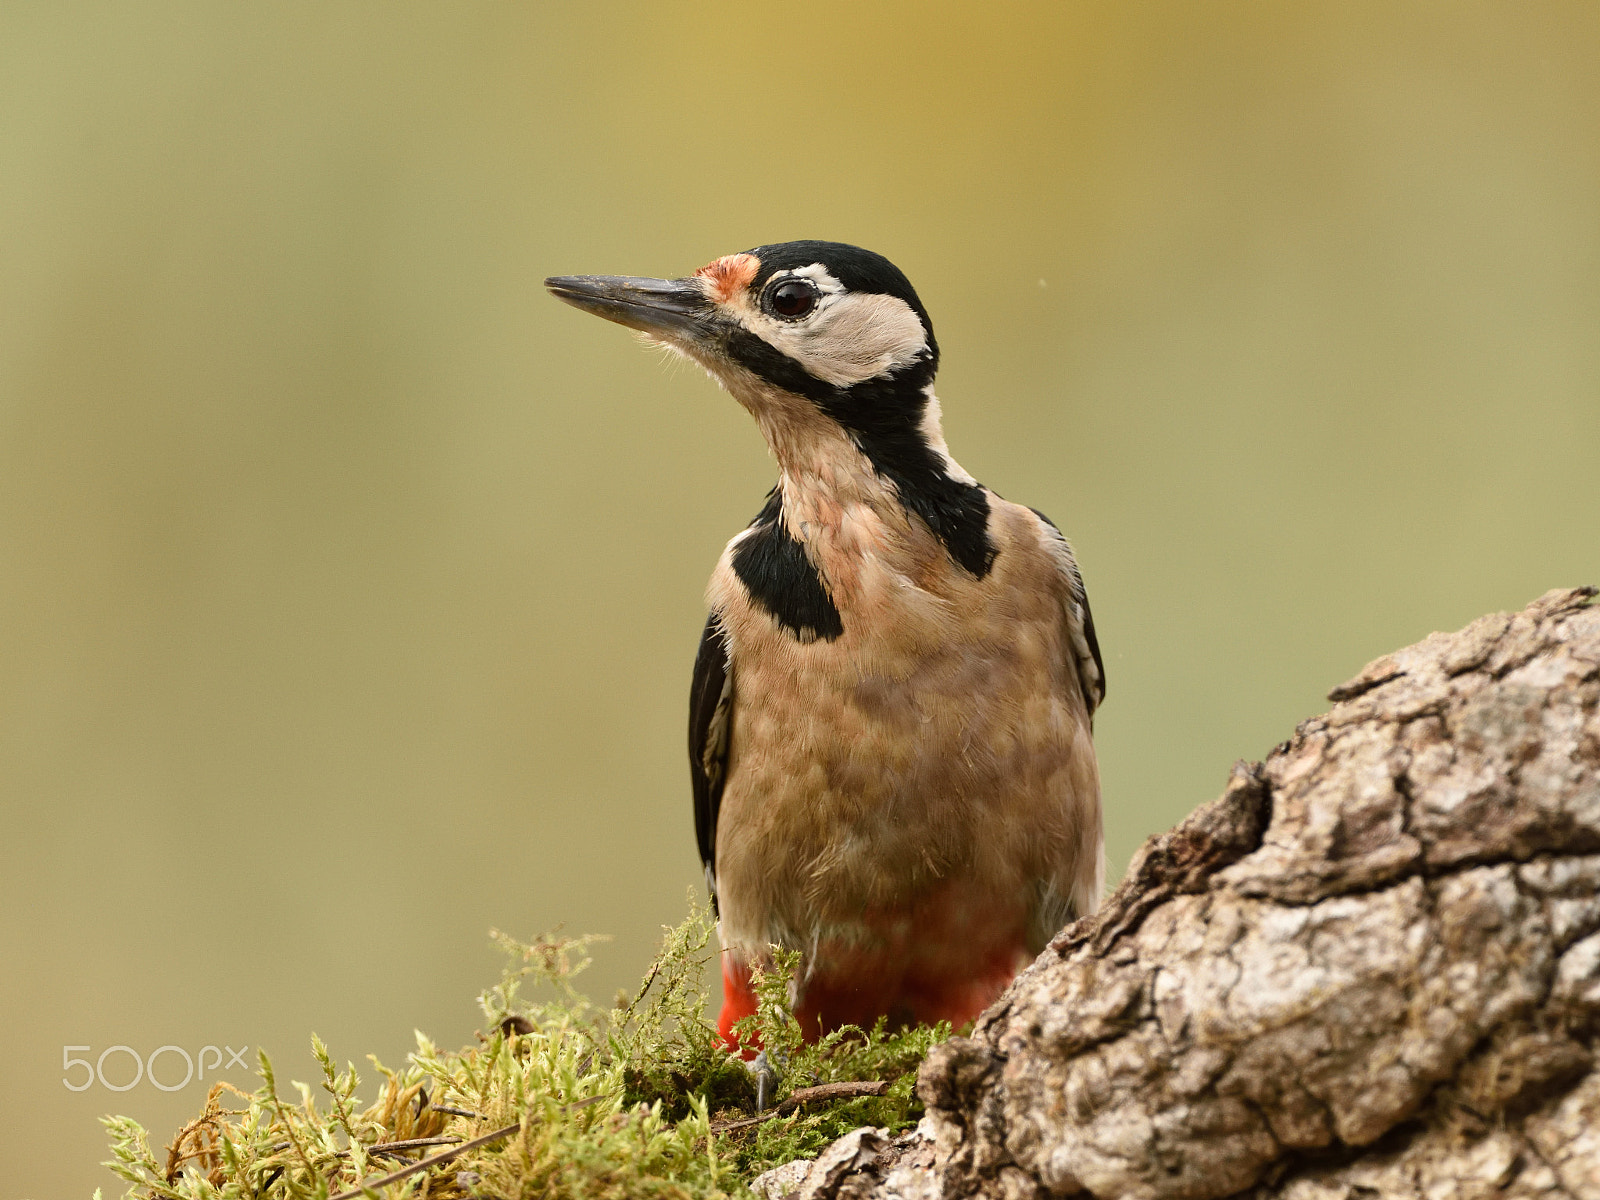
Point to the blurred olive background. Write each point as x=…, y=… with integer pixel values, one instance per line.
x=349, y=585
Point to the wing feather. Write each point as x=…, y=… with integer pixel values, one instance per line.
x=710, y=712
x=1080, y=621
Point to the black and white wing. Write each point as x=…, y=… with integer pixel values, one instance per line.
x=710, y=715
x=1080, y=621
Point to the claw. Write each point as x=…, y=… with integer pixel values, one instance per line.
x=765, y=1077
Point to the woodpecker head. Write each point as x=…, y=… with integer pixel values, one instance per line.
x=811, y=337
x=812, y=318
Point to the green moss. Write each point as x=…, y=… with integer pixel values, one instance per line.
x=625, y=1102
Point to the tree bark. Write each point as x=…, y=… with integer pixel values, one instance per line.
x=1370, y=968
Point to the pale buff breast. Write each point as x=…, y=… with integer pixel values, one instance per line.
x=940, y=743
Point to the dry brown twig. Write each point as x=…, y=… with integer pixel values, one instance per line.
x=820, y=1094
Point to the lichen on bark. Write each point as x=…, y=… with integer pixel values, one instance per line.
x=1371, y=967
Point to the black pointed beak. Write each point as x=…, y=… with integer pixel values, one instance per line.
x=673, y=308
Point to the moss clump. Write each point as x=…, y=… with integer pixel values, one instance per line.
x=640, y=1100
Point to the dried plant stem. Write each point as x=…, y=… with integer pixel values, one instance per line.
x=406, y=1172
x=820, y=1094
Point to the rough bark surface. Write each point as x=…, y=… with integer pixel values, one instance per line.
x=1370, y=968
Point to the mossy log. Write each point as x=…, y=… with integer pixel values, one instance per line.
x=1370, y=968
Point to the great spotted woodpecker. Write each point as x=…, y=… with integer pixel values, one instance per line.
x=890, y=718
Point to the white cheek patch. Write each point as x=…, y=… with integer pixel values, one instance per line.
x=850, y=338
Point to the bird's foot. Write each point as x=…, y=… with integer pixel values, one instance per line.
x=766, y=1079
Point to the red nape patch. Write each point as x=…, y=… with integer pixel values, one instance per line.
x=729, y=275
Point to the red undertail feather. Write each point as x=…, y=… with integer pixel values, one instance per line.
x=948, y=965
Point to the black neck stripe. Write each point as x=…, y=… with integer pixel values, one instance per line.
x=884, y=418
x=782, y=579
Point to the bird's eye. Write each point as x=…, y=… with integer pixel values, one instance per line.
x=791, y=299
